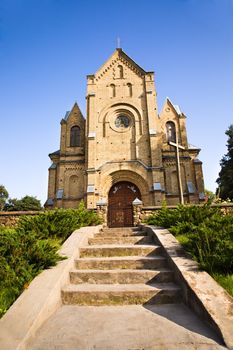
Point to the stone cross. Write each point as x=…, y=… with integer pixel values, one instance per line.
x=177, y=147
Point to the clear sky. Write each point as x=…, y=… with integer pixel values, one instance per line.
x=47, y=47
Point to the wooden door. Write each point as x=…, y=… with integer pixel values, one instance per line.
x=120, y=208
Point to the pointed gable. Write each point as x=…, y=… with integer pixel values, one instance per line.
x=74, y=115
x=169, y=108
x=118, y=58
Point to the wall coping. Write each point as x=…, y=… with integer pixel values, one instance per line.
x=20, y=213
x=37, y=303
x=214, y=205
x=200, y=291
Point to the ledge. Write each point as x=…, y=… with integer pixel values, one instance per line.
x=200, y=292
x=20, y=213
x=42, y=298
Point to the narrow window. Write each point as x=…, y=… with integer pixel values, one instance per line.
x=75, y=137
x=120, y=71
x=112, y=90
x=129, y=90
x=171, y=131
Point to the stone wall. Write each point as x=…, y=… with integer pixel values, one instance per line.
x=141, y=213
x=10, y=219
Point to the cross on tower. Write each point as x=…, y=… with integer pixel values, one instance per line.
x=177, y=148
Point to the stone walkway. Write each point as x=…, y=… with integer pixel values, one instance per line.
x=154, y=327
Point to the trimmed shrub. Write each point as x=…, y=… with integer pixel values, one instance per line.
x=204, y=232
x=32, y=246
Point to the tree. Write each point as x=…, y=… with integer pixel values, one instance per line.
x=225, y=179
x=3, y=196
x=26, y=203
x=210, y=196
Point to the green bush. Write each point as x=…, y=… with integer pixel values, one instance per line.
x=32, y=246
x=204, y=232
x=192, y=214
x=22, y=257
x=58, y=223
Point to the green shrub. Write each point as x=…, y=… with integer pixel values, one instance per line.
x=32, y=246
x=192, y=214
x=59, y=223
x=204, y=232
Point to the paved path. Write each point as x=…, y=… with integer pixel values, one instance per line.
x=157, y=327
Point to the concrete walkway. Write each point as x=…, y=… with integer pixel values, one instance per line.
x=152, y=327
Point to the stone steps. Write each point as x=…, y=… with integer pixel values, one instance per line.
x=119, y=250
x=121, y=266
x=104, y=234
x=120, y=294
x=120, y=240
x=120, y=276
x=129, y=262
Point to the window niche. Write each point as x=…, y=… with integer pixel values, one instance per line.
x=112, y=90
x=171, y=132
x=120, y=72
x=75, y=136
x=129, y=90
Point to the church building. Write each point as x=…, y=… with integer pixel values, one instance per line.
x=124, y=150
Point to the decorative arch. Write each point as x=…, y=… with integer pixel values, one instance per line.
x=108, y=180
x=110, y=111
x=75, y=136
x=73, y=186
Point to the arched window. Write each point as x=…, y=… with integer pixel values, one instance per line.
x=75, y=137
x=112, y=90
x=129, y=90
x=171, y=131
x=120, y=71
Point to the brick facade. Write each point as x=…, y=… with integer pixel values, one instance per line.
x=123, y=138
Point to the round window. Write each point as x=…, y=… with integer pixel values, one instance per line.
x=122, y=121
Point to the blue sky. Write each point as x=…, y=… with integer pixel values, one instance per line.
x=47, y=47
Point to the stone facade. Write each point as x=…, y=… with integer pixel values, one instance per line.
x=124, y=138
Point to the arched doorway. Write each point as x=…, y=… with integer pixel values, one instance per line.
x=120, y=208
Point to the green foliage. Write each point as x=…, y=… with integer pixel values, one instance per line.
x=3, y=196
x=211, y=196
x=32, y=246
x=22, y=257
x=58, y=223
x=204, y=232
x=193, y=215
x=27, y=203
x=225, y=179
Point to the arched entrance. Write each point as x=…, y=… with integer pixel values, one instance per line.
x=120, y=208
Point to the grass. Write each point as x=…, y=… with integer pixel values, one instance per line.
x=226, y=281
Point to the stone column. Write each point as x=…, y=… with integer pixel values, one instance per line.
x=102, y=211
x=137, y=207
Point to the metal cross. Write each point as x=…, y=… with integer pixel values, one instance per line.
x=177, y=147
x=118, y=43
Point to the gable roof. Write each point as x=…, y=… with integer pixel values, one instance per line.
x=67, y=114
x=119, y=54
x=176, y=108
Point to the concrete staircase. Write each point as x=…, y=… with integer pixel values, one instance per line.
x=121, y=266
